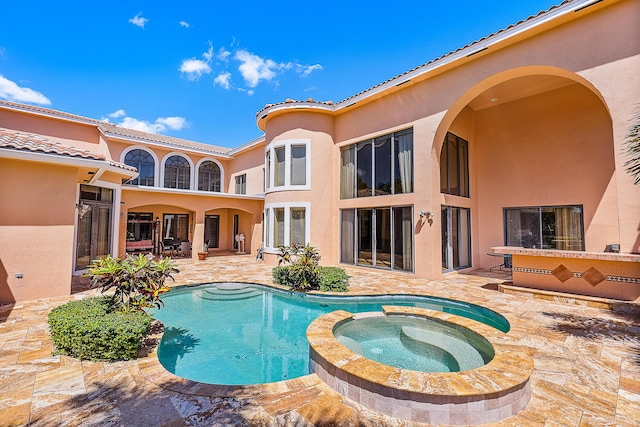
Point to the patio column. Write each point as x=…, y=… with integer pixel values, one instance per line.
x=198, y=233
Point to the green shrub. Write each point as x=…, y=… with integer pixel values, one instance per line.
x=93, y=329
x=138, y=281
x=333, y=279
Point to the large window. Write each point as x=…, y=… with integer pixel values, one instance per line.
x=456, y=238
x=177, y=173
x=377, y=237
x=454, y=166
x=545, y=227
x=241, y=184
x=287, y=165
x=209, y=176
x=285, y=225
x=144, y=162
x=378, y=166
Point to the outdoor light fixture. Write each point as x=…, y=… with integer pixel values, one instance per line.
x=82, y=209
x=427, y=214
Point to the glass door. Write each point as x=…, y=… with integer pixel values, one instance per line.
x=456, y=238
x=94, y=234
x=212, y=230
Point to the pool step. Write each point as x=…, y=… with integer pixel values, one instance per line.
x=422, y=339
x=228, y=294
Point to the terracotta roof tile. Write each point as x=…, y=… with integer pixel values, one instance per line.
x=113, y=129
x=14, y=140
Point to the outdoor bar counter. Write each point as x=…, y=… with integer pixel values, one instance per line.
x=599, y=274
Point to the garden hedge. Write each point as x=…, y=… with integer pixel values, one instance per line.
x=92, y=329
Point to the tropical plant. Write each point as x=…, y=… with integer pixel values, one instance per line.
x=632, y=148
x=138, y=281
x=302, y=272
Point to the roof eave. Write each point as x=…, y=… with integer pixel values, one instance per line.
x=63, y=160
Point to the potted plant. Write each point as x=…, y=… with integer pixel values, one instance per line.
x=202, y=255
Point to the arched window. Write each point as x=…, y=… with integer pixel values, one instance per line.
x=209, y=177
x=143, y=161
x=177, y=173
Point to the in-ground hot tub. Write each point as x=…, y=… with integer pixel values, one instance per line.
x=491, y=385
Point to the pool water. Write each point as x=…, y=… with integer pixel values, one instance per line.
x=237, y=334
x=419, y=344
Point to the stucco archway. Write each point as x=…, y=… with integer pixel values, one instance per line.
x=538, y=136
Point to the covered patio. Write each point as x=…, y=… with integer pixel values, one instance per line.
x=587, y=361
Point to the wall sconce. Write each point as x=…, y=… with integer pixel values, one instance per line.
x=427, y=214
x=82, y=209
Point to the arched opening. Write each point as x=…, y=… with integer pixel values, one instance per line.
x=539, y=160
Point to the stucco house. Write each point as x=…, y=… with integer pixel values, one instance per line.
x=514, y=140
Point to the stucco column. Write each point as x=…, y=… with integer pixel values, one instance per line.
x=198, y=233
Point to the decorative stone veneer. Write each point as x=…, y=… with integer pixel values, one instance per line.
x=489, y=393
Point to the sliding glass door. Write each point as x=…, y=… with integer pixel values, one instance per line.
x=377, y=237
x=456, y=238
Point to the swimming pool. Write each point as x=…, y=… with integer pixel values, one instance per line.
x=240, y=334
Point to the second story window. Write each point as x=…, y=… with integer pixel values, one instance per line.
x=177, y=172
x=144, y=162
x=209, y=176
x=378, y=166
x=241, y=184
x=287, y=165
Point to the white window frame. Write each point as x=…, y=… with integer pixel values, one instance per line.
x=156, y=166
x=197, y=174
x=191, y=170
x=269, y=229
x=287, y=144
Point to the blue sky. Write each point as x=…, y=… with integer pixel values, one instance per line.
x=200, y=70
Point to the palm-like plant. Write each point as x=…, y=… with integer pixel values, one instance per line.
x=138, y=281
x=632, y=148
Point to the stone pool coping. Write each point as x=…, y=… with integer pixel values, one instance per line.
x=489, y=393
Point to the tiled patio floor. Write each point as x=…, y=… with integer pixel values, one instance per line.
x=587, y=366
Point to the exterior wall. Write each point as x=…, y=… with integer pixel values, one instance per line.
x=545, y=142
x=251, y=163
x=325, y=178
x=81, y=136
x=36, y=229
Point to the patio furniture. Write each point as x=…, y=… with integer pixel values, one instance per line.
x=170, y=246
x=506, y=261
x=185, y=248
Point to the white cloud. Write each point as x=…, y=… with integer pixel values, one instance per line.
x=175, y=122
x=138, y=20
x=160, y=125
x=184, y=24
x=208, y=55
x=254, y=69
x=223, y=79
x=195, y=68
x=11, y=91
x=118, y=113
x=305, y=70
x=223, y=54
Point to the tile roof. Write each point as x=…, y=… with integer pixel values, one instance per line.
x=14, y=140
x=111, y=129
x=117, y=131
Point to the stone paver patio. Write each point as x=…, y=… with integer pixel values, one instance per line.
x=587, y=365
